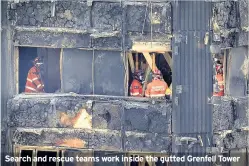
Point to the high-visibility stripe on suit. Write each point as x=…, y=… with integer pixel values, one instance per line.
x=136, y=88
x=34, y=83
x=156, y=88
x=219, y=78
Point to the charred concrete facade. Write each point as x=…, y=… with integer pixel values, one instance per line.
x=231, y=112
x=38, y=122
x=117, y=123
x=79, y=27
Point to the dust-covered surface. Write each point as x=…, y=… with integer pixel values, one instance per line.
x=37, y=13
x=116, y=19
x=243, y=12
x=52, y=39
x=138, y=116
x=147, y=142
x=111, y=42
x=231, y=115
x=226, y=17
x=139, y=18
x=92, y=139
x=107, y=116
x=57, y=113
x=149, y=118
x=223, y=116
x=107, y=16
x=243, y=39
x=232, y=22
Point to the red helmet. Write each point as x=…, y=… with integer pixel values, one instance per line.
x=219, y=69
x=157, y=72
x=37, y=61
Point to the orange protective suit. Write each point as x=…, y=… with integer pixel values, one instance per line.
x=34, y=83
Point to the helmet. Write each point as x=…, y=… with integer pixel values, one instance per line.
x=37, y=61
x=157, y=72
x=138, y=75
x=219, y=69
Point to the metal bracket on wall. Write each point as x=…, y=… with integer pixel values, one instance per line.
x=179, y=89
x=52, y=8
x=190, y=141
x=179, y=38
x=176, y=51
x=89, y=2
x=216, y=37
x=176, y=101
x=214, y=150
x=214, y=100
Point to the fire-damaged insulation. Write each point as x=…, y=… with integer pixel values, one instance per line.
x=229, y=117
x=118, y=19
x=231, y=21
x=114, y=125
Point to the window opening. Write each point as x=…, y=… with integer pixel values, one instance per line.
x=145, y=61
x=134, y=163
x=46, y=154
x=49, y=69
x=220, y=65
x=27, y=154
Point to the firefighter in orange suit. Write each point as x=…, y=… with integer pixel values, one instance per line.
x=157, y=87
x=136, y=88
x=34, y=82
x=219, y=79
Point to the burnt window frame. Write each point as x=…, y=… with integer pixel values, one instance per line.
x=151, y=48
x=17, y=62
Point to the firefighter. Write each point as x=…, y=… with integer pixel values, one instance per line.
x=157, y=87
x=136, y=88
x=219, y=80
x=34, y=83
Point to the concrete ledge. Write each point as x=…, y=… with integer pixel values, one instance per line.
x=147, y=142
x=91, y=139
x=104, y=113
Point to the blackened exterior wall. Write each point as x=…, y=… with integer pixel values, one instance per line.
x=232, y=20
x=104, y=24
x=117, y=124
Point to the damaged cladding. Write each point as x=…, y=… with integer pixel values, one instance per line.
x=231, y=21
x=94, y=21
x=41, y=122
x=52, y=120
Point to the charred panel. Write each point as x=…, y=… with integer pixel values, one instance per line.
x=105, y=140
x=108, y=42
x=147, y=118
x=146, y=142
x=107, y=116
x=52, y=39
x=107, y=16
